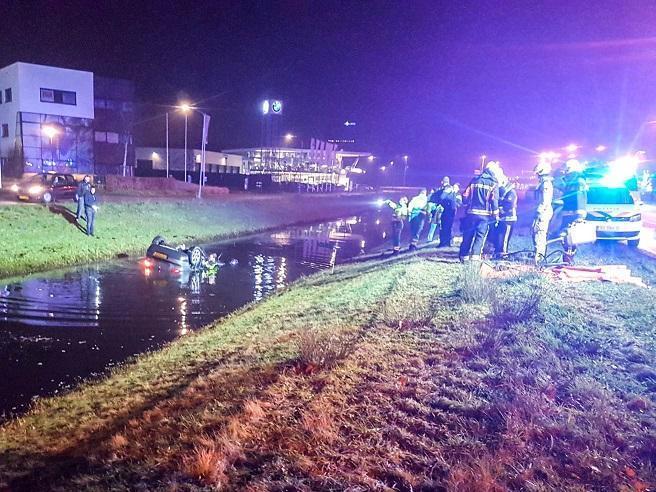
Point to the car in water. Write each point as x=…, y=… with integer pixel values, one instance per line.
x=616, y=213
x=46, y=188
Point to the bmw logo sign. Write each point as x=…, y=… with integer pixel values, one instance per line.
x=276, y=106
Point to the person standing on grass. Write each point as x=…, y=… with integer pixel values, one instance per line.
x=417, y=210
x=82, y=188
x=544, y=211
x=90, y=209
x=400, y=211
x=575, y=200
x=482, y=197
x=435, y=198
x=507, y=217
x=450, y=201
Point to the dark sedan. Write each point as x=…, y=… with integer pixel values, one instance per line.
x=46, y=188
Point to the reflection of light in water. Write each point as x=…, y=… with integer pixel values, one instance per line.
x=377, y=221
x=384, y=234
x=363, y=244
x=257, y=274
x=183, y=316
x=96, y=298
x=282, y=273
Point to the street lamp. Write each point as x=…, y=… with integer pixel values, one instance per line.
x=371, y=158
x=186, y=108
x=600, y=148
x=50, y=132
x=289, y=137
x=405, y=167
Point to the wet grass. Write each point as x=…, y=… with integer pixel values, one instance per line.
x=37, y=238
x=412, y=385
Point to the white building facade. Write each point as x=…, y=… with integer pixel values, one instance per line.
x=46, y=119
x=215, y=162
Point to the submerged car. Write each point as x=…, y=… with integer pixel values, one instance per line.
x=192, y=258
x=46, y=188
x=615, y=213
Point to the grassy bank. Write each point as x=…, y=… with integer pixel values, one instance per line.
x=37, y=238
x=413, y=373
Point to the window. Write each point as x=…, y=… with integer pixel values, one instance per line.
x=112, y=137
x=5, y=130
x=8, y=95
x=100, y=136
x=58, y=97
x=99, y=103
x=0, y=97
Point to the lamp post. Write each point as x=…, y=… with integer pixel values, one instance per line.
x=185, y=108
x=405, y=168
x=167, y=144
x=50, y=132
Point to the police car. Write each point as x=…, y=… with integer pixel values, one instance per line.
x=615, y=212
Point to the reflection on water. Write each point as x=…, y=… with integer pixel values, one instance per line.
x=70, y=324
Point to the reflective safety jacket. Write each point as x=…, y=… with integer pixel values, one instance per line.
x=399, y=210
x=508, y=204
x=544, y=196
x=575, y=195
x=418, y=204
x=482, y=196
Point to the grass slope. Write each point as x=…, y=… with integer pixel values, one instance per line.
x=36, y=238
x=383, y=376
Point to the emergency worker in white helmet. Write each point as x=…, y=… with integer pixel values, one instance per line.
x=544, y=210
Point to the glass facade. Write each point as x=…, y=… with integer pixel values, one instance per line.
x=55, y=143
x=270, y=160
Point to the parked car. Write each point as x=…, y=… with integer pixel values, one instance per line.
x=615, y=213
x=46, y=188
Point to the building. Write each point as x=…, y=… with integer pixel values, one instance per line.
x=57, y=119
x=46, y=119
x=148, y=159
x=112, y=125
x=298, y=165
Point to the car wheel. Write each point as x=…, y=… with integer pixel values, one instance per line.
x=195, y=257
x=633, y=243
x=157, y=240
x=47, y=197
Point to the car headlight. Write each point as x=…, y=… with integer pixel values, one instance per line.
x=635, y=218
x=35, y=190
x=15, y=188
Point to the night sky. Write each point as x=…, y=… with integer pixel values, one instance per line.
x=443, y=81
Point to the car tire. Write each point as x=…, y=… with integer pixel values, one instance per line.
x=195, y=257
x=157, y=240
x=47, y=197
x=633, y=243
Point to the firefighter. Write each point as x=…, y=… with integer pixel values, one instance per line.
x=575, y=200
x=507, y=217
x=544, y=210
x=400, y=213
x=482, y=197
x=417, y=212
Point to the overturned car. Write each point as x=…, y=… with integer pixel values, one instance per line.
x=192, y=258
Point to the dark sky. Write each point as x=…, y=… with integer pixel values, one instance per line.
x=443, y=81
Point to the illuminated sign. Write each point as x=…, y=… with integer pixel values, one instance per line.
x=273, y=106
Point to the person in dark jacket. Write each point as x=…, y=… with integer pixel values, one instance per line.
x=507, y=217
x=90, y=209
x=450, y=201
x=575, y=200
x=482, y=198
x=82, y=188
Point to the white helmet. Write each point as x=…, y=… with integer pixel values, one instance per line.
x=542, y=168
x=495, y=170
